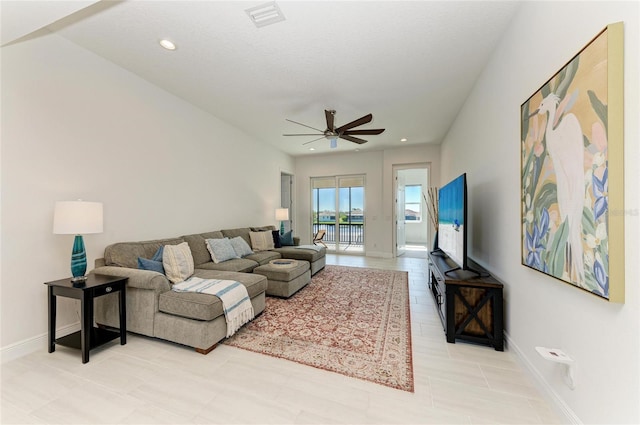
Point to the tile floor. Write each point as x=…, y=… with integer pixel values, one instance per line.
x=149, y=381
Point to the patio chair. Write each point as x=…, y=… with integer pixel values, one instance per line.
x=317, y=238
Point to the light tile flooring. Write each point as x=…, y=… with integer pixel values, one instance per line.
x=149, y=381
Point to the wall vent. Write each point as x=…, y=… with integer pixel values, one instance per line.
x=265, y=14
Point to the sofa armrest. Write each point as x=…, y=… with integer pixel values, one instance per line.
x=142, y=279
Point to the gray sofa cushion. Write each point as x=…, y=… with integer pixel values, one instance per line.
x=235, y=265
x=241, y=231
x=284, y=274
x=125, y=254
x=204, y=306
x=263, y=257
x=294, y=253
x=263, y=228
x=198, y=246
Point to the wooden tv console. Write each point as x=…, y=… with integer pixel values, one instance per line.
x=470, y=306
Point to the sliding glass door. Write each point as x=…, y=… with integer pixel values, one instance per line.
x=338, y=209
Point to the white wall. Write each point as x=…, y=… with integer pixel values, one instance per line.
x=377, y=167
x=77, y=126
x=367, y=163
x=484, y=142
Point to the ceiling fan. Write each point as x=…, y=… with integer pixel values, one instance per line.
x=343, y=132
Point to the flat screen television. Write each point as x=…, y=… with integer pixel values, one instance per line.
x=452, y=220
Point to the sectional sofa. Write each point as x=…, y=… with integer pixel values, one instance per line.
x=192, y=319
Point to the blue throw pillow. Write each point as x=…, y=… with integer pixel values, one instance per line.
x=154, y=264
x=146, y=264
x=158, y=255
x=287, y=238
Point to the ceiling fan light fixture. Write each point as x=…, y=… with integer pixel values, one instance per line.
x=334, y=143
x=265, y=14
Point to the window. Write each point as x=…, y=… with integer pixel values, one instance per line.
x=413, y=203
x=338, y=208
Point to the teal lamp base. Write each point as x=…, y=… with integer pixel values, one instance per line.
x=282, y=228
x=78, y=262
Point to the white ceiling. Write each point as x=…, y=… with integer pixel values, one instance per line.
x=411, y=64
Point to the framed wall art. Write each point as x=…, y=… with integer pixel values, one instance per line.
x=572, y=171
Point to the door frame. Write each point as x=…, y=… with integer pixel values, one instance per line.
x=395, y=168
x=338, y=244
x=287, y=198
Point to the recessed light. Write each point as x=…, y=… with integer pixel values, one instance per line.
x=403, y=140
x=168, y=44
x=312, y=149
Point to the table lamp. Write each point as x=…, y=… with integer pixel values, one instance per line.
x=77, y=218
x=282, y=214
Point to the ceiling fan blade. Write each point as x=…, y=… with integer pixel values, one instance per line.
x=314, y=140
x=304, y=125
x=352, y=139
x=305, y=134
x=330, y=115
x=363, y=120
x=368, y=131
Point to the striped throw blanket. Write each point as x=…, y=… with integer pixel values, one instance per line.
x=234, y=296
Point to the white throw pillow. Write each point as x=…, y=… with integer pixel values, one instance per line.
x=240, y=246
x=178, y=262
x=261, y=241
x=221, y=250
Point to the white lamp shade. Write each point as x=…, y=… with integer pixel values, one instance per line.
x=282, y=214
x=77, y=218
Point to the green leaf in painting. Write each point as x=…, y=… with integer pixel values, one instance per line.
x=545, y=90
x=599, y=108
x=568, y=73
x=556, y=252
x=525, y=120
x=535, y=175
x=526, y=167
x=604, y=254
x=588, y=224
x=546, y=196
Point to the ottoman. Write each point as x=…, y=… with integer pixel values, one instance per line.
x=284, y=280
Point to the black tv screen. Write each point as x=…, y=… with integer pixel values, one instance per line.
x=452, y=219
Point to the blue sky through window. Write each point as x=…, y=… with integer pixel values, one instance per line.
x=328, y=199
x=412, y=194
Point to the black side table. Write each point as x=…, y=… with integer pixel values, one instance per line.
x=89, y=336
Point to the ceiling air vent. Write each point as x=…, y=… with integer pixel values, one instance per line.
x=265, y=14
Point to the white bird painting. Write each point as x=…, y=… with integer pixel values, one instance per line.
x=566, y=149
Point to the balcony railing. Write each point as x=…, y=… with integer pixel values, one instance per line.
x=350, y=234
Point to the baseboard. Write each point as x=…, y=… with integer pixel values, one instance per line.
x=557, y=403
x=31, y=345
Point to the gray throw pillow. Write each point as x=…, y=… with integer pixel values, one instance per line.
x=240, y=246
x=221, y=250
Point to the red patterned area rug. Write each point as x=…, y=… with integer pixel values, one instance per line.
x=348, y=320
